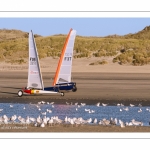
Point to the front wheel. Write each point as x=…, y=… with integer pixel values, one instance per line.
x=20, y=93
x=62, y=94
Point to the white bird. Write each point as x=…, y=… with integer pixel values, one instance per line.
x=13, y=118
x=76, y=104
x=11, y=106
x=131, y=105
x=83, y=104
x=48, y=103
x=140, y=110
x=116, y=121
x=98, y=104
x=48, y=110
x=52, y=106
x=87, y=109
x=67, y=103
x=118, y=104
x=42, y=102
x=52, y=103
x=1, y=110
x=44, y=113
x=121, y=124
x=39, y=102
x=76, y=109
x=136, y=123
x=42, y=125
x=24, y=108
x=92, y=111
x=39, y=109
x=89, y=120
x=120, y=109
x=95, y=121
x=104, y=104
x=126, y=109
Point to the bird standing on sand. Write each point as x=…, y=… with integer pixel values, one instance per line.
x=104, y=104
x=98, y=104
x=131, y=105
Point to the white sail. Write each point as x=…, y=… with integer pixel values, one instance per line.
x=63, y=73
x=34, y=73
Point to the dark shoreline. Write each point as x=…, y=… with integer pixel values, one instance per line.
x=62, y=101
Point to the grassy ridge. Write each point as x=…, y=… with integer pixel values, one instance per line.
x=131, y=49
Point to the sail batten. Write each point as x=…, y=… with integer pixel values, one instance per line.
x=34, y=72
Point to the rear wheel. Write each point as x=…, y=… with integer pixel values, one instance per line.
x=62, y=94
x=20, y=93
x=74, y=89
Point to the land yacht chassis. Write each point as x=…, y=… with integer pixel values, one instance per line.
x=58, y=88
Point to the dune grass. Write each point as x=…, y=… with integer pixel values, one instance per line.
x=132, y=49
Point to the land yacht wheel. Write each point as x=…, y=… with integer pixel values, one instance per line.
x=20, y=93
x=74, y=89
x=62, y=94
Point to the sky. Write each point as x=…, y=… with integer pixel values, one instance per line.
x=84, y=26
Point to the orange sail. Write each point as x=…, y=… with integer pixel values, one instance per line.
x=63, y=72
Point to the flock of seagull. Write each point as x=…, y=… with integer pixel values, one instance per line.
x=43, y=121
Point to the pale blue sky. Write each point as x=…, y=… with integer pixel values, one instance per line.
x=83, y=26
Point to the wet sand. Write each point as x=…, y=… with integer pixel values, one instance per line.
x=111, y=88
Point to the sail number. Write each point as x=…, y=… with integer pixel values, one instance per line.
x=32, y=61
x=67, y=58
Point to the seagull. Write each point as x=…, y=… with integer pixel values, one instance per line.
x=92, y=111
x=1, y=110
x=127, y=109
x=44, y=113
x=98, y=104
x=42, y=102
x=120, y=109
x=48, y=110
x=52, y=106
x=118, y=104
x=121, y=124
x=76, y=109
x=24, y=108
x=11, y=105
x=67, y=103
x=83, y=104
x=76, y=104
x=131, y=105
x=140, y=110
x=52, y=103
x=42, y=125
x=87, y=109
x=47, y=102
x=136, y=123
x=104, y=104
x=95, y=121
